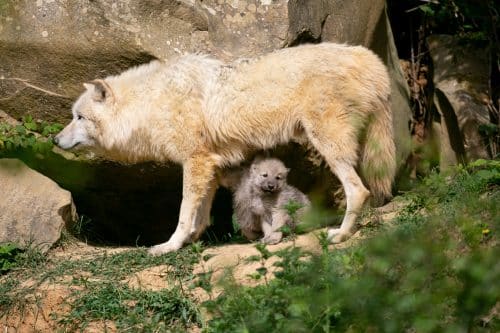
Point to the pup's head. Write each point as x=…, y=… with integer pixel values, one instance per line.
x=268, y=175
x=88, y=113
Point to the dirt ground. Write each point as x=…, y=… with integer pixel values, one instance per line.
x=52, y=297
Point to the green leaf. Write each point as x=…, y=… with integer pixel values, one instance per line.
x=20, y=129
x=427, y=9
x=262, y=271
x=32, y=126
x=264, y=252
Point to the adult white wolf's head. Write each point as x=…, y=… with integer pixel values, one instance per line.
x=89, y=111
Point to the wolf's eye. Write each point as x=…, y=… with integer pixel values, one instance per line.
x=264, y=175
x=79, y=117
x=278, y=177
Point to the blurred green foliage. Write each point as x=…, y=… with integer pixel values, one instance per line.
x=473, y=20
x=435, y=270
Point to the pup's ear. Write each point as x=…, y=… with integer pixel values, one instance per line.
x=102, y=92
x=259, y=158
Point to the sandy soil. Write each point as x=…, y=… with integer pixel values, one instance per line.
x=52, y=298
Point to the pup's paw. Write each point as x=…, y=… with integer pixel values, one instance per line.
x=273, y=238
x=337, y=236
x=163, y=248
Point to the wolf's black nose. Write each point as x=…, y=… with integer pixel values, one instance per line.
x=55, y=140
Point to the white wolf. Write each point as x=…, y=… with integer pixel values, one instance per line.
x=206, y=115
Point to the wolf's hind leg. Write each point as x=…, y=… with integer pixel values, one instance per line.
x=336, y=139
x=356, y=195
x=198, y=175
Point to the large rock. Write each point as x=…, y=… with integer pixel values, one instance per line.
x=461, y=79
x=33, y=208
x=49, y=47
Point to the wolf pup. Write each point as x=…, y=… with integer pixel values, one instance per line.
x=206, y=115
x=261, y=199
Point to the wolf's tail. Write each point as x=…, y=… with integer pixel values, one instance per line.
x=378, y=154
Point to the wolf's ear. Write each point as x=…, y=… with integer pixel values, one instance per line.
x=101, y=90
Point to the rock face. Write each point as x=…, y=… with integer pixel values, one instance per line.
x=49, y=47
x=461, y=79
x=33, y=208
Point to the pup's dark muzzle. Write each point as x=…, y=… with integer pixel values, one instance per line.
x=269, y=188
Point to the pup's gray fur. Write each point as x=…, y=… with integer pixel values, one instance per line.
x=261, y=197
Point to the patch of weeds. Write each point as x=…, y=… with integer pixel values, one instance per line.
x=8, y=254
x=203, y=279
x=318, y=217
x=23, y=265
x=292, y=207
x=7, y=285
x=81, y=227
x=31, y=258
x=372, y=222
x=131, y=309
x=264, y=254
x=235, y=224
x=290, y=263
x=120, y=265
x=29, y=134
x=101, y=293
x=435, y=271
x=14, y=257
x=260, y=307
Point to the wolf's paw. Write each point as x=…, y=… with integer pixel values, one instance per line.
x=163, y=248
x=337, y=236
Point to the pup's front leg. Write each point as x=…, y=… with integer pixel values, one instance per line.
x=272, y=228
x=198, y=176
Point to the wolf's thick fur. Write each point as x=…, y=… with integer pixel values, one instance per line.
x=205, y=114
x=261, y=197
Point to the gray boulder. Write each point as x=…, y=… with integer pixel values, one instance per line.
x=461, y=79
x=33, y=208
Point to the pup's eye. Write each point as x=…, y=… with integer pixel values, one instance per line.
x=264, y=175
x=79, y=117
x=278, y=177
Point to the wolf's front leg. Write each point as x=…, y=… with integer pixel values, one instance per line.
x=198, y=176
x=202, y=220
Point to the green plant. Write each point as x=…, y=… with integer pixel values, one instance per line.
x=131, y=309
x=473, y=21
x=29, y=134
x=434, y=271
x=8, y=253
x=99, y=289
x=203, y=278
